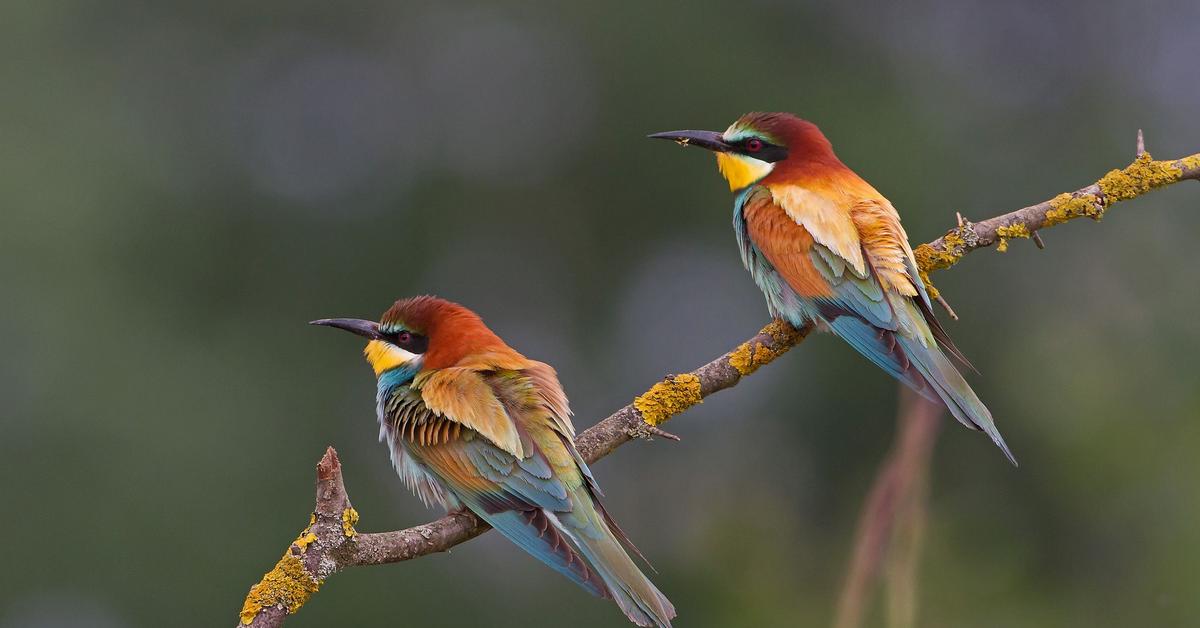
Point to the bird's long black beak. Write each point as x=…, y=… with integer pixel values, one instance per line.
x=366, y=329
x=704, y=139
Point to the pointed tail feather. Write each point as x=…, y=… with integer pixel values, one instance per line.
x=925, y=369
x=640, y=600
x=953, y=390
x=584, y=549
x=881, y=346
x=537, y=532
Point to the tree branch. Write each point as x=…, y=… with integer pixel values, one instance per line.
x=892, y=519
x=330, y=543
x=1141, y=176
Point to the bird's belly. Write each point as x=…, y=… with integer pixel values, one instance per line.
x=419, y=480
x=782, y=301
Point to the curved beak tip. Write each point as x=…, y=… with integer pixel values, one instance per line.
x=358, y=327
x=703, y=139
x=673, y=136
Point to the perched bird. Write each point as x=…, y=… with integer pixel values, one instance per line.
x=471, y=423
x=825, y=247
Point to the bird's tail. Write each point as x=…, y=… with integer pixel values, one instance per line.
x=943, y=379
x=583, y=545
x=922, y=364
x=600, y=540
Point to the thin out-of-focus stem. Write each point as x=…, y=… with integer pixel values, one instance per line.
x=891, y=523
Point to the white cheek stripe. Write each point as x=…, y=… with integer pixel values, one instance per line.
x=405, y=355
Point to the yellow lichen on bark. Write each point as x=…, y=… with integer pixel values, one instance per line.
x=783, y=334
x=749, y=356
x=349, y=520
x=1017, y=230
x=304, y=541
x=668, y=398
x=1139, y=177
x=742, y=358
x=1066, y=206
x=1143, y=175
x=930, y=259
x=288, y=584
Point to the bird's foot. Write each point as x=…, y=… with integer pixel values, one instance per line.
x=459, y=510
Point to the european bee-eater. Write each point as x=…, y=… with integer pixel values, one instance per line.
x=825, y=247
x=471, y=423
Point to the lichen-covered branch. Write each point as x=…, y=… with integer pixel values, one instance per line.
x=892, y=519
x=330, y=542
x=307, y=562
x=1141, y=176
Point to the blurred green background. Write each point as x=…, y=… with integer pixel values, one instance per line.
x=186, y=184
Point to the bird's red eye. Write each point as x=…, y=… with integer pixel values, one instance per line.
x=404, y=337
x=754, y=145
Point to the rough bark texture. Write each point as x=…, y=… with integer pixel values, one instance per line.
x=1141, y=176
x=892, y=520
x=330, y=542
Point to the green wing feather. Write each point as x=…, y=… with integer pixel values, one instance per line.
x=546, y=501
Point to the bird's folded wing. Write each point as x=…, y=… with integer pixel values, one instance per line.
x=889, y=254
x=886, y=247
x=824, y=216
x=818, y=270
x=551, y=397
x=462, y=395
x=528, y=498
x=856, y=305
x=522, y=415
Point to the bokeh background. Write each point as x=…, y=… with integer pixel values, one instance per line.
x=184, y=185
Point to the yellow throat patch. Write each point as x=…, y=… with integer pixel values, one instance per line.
x=385, y=356
x=740, y=170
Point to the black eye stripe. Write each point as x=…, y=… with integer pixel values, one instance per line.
x=414, y=343
x=767, y=152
